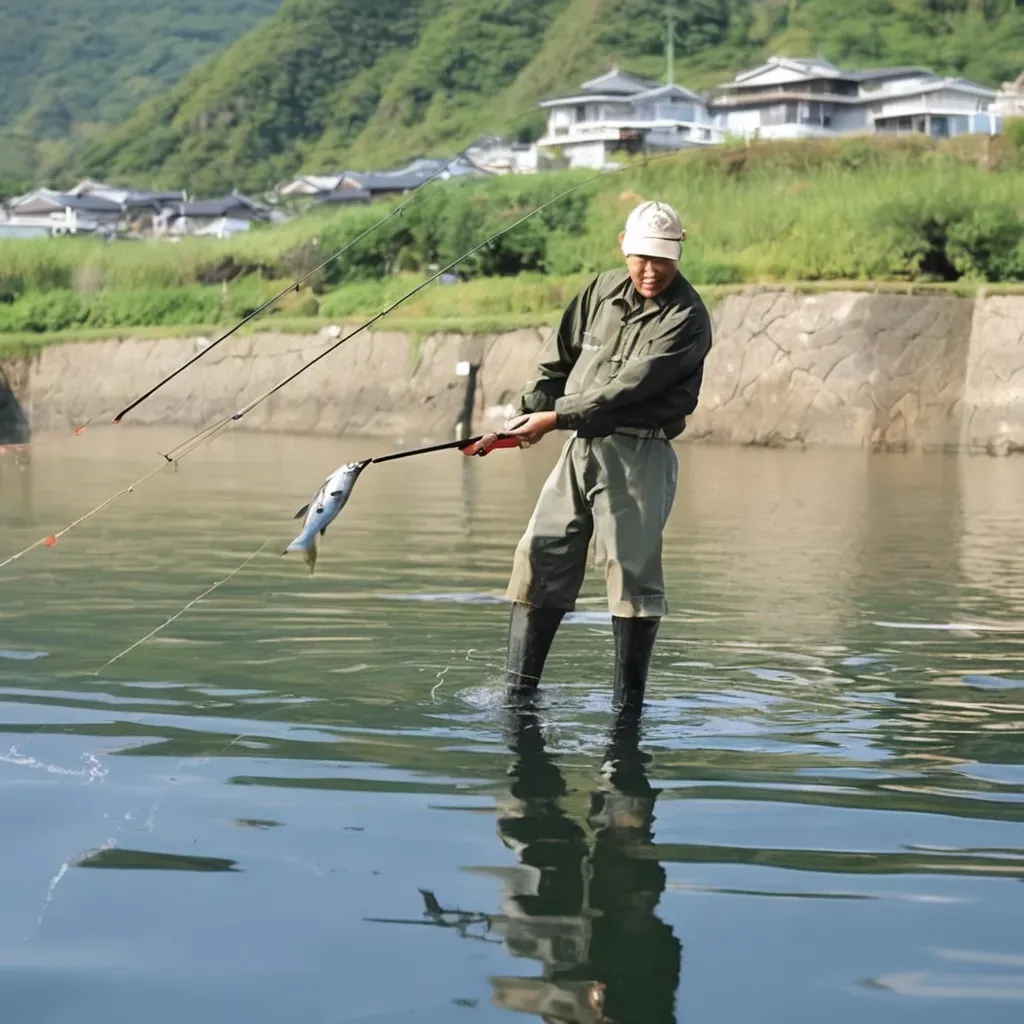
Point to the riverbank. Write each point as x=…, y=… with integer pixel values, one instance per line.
x=789, y=368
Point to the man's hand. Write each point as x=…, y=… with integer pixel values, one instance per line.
x=530, y=429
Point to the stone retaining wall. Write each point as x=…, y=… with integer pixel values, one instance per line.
x=852, y=369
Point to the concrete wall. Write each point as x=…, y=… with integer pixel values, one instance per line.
x=848, y=369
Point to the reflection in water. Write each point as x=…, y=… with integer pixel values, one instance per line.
x=579, y=901
x=143, y=860
x=15, y=485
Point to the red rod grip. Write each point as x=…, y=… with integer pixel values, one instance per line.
x=489, y=443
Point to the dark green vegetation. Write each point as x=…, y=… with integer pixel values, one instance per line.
x=70, y=66
x=905, y=212
x=326, y=84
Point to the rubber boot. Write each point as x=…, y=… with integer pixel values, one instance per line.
x=531, y=631
x=634, y=644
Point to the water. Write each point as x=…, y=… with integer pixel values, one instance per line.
x=301, y=801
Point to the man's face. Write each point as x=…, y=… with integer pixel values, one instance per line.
x=650, y=275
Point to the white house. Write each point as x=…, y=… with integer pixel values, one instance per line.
x=618, y=112
x=787, y=98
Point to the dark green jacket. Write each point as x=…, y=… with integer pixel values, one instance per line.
x=620, y=360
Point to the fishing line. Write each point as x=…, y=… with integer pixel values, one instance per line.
x=189, y=446
x=296, y=285
x=25, y=446
x=178, y=615
x=208, y=433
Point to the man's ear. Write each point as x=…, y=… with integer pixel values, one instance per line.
x=622, y=235
x=682, y=237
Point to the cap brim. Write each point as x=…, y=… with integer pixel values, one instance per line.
x=659, y=248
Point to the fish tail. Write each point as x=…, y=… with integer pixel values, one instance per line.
x=310, y=555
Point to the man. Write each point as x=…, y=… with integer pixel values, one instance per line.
x=622, y=373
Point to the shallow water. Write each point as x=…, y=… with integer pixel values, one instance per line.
x=302, y=801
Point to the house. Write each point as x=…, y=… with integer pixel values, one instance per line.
x=497, y=156
x=309, y=185
x=787, y=98
x=60, y=213
x=620, y=113
x=1009, y=101
x=355, y=186
x=227, y=215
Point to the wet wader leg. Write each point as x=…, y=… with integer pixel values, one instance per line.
x=631, y=506
x=548, y=569
x=531, y=631
x=634, y=645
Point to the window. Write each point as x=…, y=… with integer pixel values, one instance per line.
x=780, y=113
x=675, y=112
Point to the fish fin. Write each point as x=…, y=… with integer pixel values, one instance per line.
x=323, y=531
x=430, y=903
x=302, y=511
x=311, y=558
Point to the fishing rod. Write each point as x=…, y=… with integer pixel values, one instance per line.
x=296, y=285
x=482, y=444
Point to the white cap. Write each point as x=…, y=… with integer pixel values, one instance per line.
x=654, y=229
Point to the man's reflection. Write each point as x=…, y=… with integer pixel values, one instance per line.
x=580, y=900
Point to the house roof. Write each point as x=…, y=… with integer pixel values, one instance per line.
x=44, y=201
x=310, y=183
x=654, y=92
x=587, y=97
x=135, y=199
x=667, y=90
x=389, y=181
x=220, y=207
x=962, y=84
x=617, y=83
x=875, y=74
x=347, y=195
x=812, y=67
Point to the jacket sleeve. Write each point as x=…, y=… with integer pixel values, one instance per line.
x=559, y=355
x=671, y=358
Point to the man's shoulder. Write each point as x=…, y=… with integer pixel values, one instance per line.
x=687, y=300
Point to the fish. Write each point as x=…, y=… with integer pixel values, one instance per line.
x=322, y=510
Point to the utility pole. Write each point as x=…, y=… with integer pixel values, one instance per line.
x=670, y=39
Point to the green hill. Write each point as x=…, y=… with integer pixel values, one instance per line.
x=325, y=84
x=69, y=65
